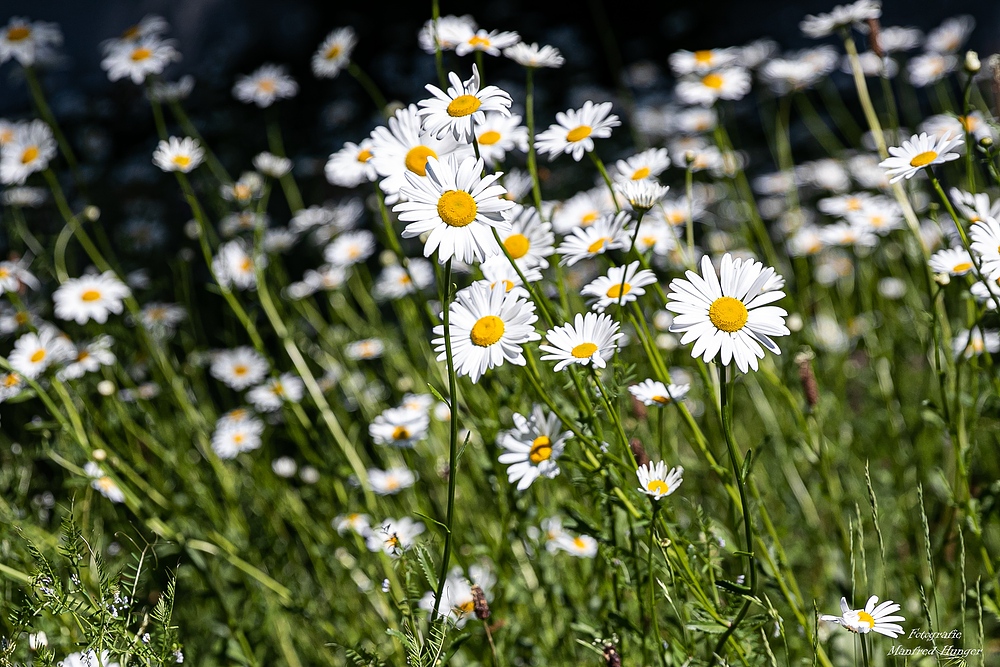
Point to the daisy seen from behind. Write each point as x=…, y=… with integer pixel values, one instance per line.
x=653, y=392
x=462, y=107
x=590, y=340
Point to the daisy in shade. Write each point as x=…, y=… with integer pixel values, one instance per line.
x=104, y=485
x=870, y=619
x=458, y=207
x=29, y=149
x=176, y=154
x=950, y=35
x=25, y=41
x=608, y=233
x=272, y=165
x=985, y=235
x=691, y=62
x=139, y=60
x=90, y=298
x=14, y=276
x=239, y=368
x=842, y=16
x=394, y=536
x=727, y=318
x=274, y=393
x=652, y=392
x=953, y=261
x=488, y=327
x=234, y=267
x=529, y=241
x=972, y=343
x=576, y=129
x=235, y=436
x=265, y=86
x=351, y=165
x=928, y=68
x=462, y=107
x=392, y=481
x=399, y=427
x=731, y=83
x=492, y=42
x=500, y=133
x=34, y=352
x=590, y=340
x=534, y=56
x=647, y=164
x=621, y=285
x=334, y=53
x=921, y=151
x=656, y=481
x=532, y=447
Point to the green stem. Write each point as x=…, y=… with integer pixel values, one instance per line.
x=373, y=91
x=277, y=146
x=529, y=112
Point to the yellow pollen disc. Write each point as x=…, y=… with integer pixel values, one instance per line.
x=486, y=331
x=640, y=173
x=675, y=217
x=83, y=356
x=29, y=155
x=131, y=33
x=90, y=295
x=658, y=486
x=238, y=439
x=517, y=245
x=141, y=54
x=616, y=290
x=457, y=208
x=393, y=541
x=182, y=161
x=876, y=221
x=541, y=449
x=4, y=273
x=713, y=81
x=489, y=137
x=278, y=389
x=728, y=314
x=865, y=617
x=579, y=133
x=21, y=318
x=240, y=370
x=416, y=159
x=970, y=123
x=703, y=57
x=583, y=350
x=598, y=245
x=663, y=400
x=463, y=105
x=246, y=264
x=9, y=380
x=476, y=40
x=37, y=356
x=961, y=268
x=238, y=413
x=366, y=155
x=853, y=204
x=588, y=219
x=106, y=484
x=579, y=543
x=466, y=607
x=923, y=159
x=241, y=191
x=649, y=240
x=508, y=285
x=17, y=33
x=404, y=279
x=401, y=433
x=333, y=52
x=266, y=85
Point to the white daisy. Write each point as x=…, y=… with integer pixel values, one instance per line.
x=870, y=619
x=529, y=240
x=458, y=208
x=27, y=41
x=104, y=485
x=985, y=235
x=396, y=281
x=400, y=427
x=576, y=129
x=928, y=68
x=590, y=340
x=500, y=133
x=690, y=62
x=492, y=42
x=532, y=447
x=950, y=35
x=14, y=276
x=731, y=83
x=90, y=298
x=248, y=187
x=369, y=348
x=233, y=266
x=975, y=207
x=351, y=166
x=334, y=53
x=89, y=359
x=171, y=91
x=976, y=342
x=394, y=536
x=655, y=480
x=842, y=16
x=728, y=318
x=178, y=154
x=30, y=149
x=881, y=216
x=581, y=210
x=239, y=368
x=608, y=233
x=621, y=285
x=498, y=270
x=952, y=261
x=843, y=234
x=266, y=85
x=23, y=197
x=641, y=195
x=272, y=165
x=919, y=152
x=644, y=165
x=391, y=481
x=34, y=352
x=652, y=392
x=11, y=385
x=457, y=601
x=581, y=546
x=533, y=56
x=232, y=437
x=987, y=293
x=350, y=248
x=358, y=523
x=462, y=107
x=658, y=236
x=274, y=393
x=445, y=33
x=140, y=59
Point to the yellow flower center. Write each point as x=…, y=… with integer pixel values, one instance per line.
x=579, y=133
x=18, y=33
x=703, y=57
x=476, y=40
x=713, y=81
x=182, y=161
x=246, y=264
x=728, y=314
x=266, y=85
x=489, y=137
x=241, y=191
x=29, y=155
x=106, y=484
x=640, y=173
x=240, y=370
x=400, y=433
x=463, y=105
x=457, y=208
x=238, y=439
x=140, y=54
x=658, y=486
x=876, y=221
x=416, y=159
x=579, y=543
x=662, y=400
x=366, y=155
x=588, y=218
x=616, y=290
x=517, y=245
x=486, y=331
x=865, y=617
x=333, y=52
x=961, y=268
x=278, y=389
x=541, y=449
x=853, y=204
x=10, y=380
x=923, y=159
x=675, y=217
x=584, y=350
x=466, y=607
x=21, y=318
x=90, y=295
x=131, y=33
x=649, y=240
x=37, y=356
x=598, y=245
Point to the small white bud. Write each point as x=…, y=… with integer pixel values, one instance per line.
x=972, y=64
x=105, y=387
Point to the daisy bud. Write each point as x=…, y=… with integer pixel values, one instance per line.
x=942, y=278
x=92, y=213
x=986, y=142
x=875, y=37
x=479, y=603
x=641, y=457
x=100, y=455
x=689, y=157
x=972, y=63
x=611, y=656
x=105, y=387
x=808, y=378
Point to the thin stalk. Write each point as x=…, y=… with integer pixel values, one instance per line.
x=277, y=146
x=369, y=85
x=529, y=112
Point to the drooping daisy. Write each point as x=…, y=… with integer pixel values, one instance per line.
x=590, y=339
x=921, y=151
x=641, y=195
x=34, y=352
x=392, y=481
x=690, y=62
x=492, y=42
x=576, y=129
x=462, y=107
x=90, y=298
x=89, y=359
x=30, y=149
x=644, y=165
x=138, y=60
x=728, y=318
x=731, y=83
x=103, y=484
x=394, y=536
x=653, y=392
x=656, y=481
x=985, y=235
x=232, y=437
x=457, y=207
x=178, y=154
x=608, y=233
x=533, y=56
x=529, y=241
x=500, y=133
x=621, y=285
x=928, y=68
x=953, y=261
x=870, y=619
x=239, y=368
x=351, y=165
x=350, y=248
x=488, y=327
x=334, y=53
x=266, y=85
x=399, y=427
x=369, y=348
x=950, y=35
x=976, y=342
x=274, y=393
x=842, y=16
x=26, y=41
x=272, y=165
x=532, y=447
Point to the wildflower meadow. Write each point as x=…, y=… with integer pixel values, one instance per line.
x=691, y=368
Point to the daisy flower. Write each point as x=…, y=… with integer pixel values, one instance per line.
x=880, y=216
x=690, y=62
x=844, y=234
x=655, y=480
x=162, y=319
x=239, y=368
x=274, y=393
x=397, y=281
x=608, y=233
x=249, y=187
x=576, y=129
x=730, y=318
x=975, y=207
x=350, y=248
x=590, y=340
x=334, y=53
x=952, y=261
x=34, y=352
x=950, y=35
x=351, y=165
x=500, y=133
x=928, y=68
x=25, y=41
x=463, y=106
x=457, y=601
x=369, y=348
x=532, y=447
x=919, y=152
x=975, y=342
x=534, y=56
x=581, y=546
x=391, y=481
x=445, y=33
x=652, y=392
x=272, y=165
x=138, y=60
x=171, y=91
x=658, y=236
x=14, y=276
x=529, y=240
x=400, y=427
x=234, y=267
x=358, y=523
x=104, y=485
x=394, y=536
x=492, y=42
x=266, y=85
x=870, y=619
x=641, y=195
x=581, y=210
x=842, y=16
x=488, y=327
x=232, y=437
x=90, y=298
x=987, y=293
x=11, y=385
x=29, y=150
x=89, y=359
x=621, y=285
x=23, y=197
x=176, y=154
x=457, y=207
x=644, y=165
x=985, y=235
x=842, y=205
x=731, y=83
x=498, y=270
